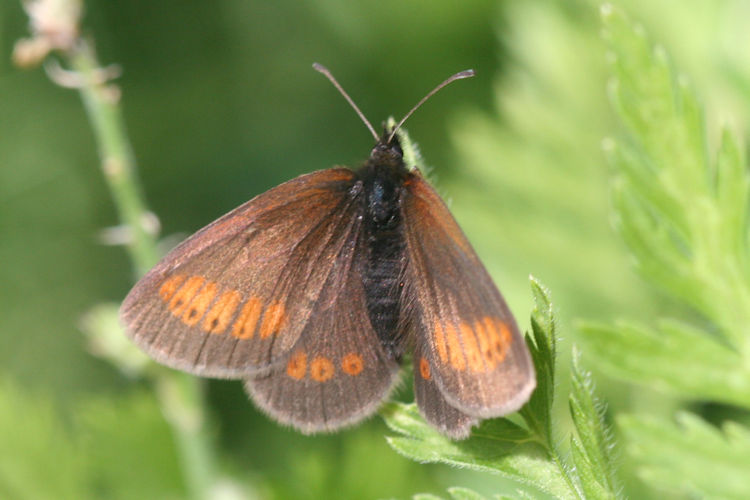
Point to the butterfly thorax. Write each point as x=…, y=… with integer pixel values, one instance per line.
x=382, y=178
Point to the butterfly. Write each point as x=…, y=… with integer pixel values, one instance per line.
x=314, y=292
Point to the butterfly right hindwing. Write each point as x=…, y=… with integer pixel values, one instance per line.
x=432, y=405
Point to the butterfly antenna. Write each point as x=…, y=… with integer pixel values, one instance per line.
x=458, y=76
x=324, y=70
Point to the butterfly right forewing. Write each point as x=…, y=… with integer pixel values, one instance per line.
x=478, y=358
x=234, y=298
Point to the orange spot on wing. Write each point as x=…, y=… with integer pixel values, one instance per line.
x=297, y=366
x=218, y=317
x=439, y=337
x=484, y=345
x=424, y=368
x=352, y=364
x=185, y=294
x=454, y=345
x=321, y=369
x=197, y=308
x=471, y=349
x=273, y=320
x=244, y=325
x=499, y=338
x=169, y=287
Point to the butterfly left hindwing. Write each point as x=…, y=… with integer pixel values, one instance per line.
x=338, y=372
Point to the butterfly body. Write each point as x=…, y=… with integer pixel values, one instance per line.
x=383, y=177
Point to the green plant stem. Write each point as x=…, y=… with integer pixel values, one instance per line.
x=116, y=156
x=181, y=396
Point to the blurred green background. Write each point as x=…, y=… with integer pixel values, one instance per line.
x=221, y=103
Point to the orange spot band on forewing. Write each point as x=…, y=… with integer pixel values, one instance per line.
x=197, y=307
x=297, y=366
x=273, y=319
x=170, y=286
x=217, y=319
x=471, y=349
x=484, y=345
x=439, y=338
x=321, y=369
x=454, y=347
x=185, y=294
x=505, y=336
x=247, y=319
x=352, y=364
x=424, y=368
x=499, y=338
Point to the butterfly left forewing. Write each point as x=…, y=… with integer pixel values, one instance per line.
x=338, y=372
x=477, y=356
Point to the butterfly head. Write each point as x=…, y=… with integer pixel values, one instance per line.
x=387, y=152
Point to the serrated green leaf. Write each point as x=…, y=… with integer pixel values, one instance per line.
x=537, y=412
x=676, y=357
x=683, y=216
x=585, y=473
x=39, y=458
x=465, y=494
x=497, y=445
x=426, y=496
x=592, y=449
x=690, y=456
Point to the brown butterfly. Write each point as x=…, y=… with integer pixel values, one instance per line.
x=314, y=291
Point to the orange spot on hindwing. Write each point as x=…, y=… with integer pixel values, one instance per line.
x=424, y=368
x=352, y=364
x=244, y=325
x=182, y=297
x=321, y=369
x=217, y=319
x=297, y=366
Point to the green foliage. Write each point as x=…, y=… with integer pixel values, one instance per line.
x=527, y=454
x=119, y=450
x=683, y=213
x=34, y=439
x=689, y=454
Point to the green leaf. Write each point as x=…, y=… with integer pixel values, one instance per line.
x=677, y=357
x=39, y=458
x=683, y=215
x=465, y=494
x=426, y=496
x=537, y=412
x=690, y=456
x=138, y=459
x=497, y=445
x=592, y=455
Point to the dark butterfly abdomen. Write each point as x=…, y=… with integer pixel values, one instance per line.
x=383, y=177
